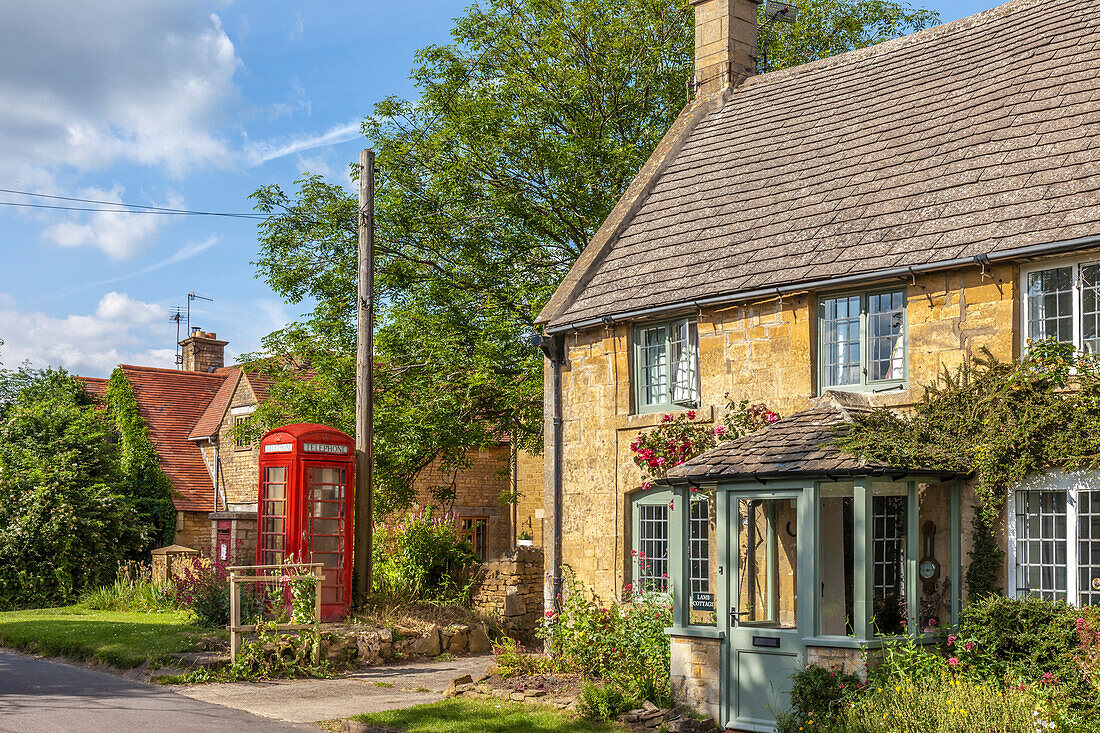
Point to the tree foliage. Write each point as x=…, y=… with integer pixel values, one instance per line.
x=143, y=482
x=529, y=126
x=64, y=523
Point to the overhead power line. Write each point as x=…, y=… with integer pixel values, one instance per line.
x=120, y=207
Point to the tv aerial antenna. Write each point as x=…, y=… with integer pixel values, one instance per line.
x=775, y=11
x=176, y=314
x=191, y=295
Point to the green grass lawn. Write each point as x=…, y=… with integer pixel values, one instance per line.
x=122, y=639
x=461, y=715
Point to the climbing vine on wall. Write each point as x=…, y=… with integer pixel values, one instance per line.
x=1002, y=421
x=148, y=487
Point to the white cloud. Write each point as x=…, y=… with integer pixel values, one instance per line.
x=265, y=150
x=122, y=330
x=119, y=234
x=92, y=84
x=121, y=307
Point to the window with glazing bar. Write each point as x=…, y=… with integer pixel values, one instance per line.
x=1056, y=547
x=1063, y=303
x=666, y=365
x=649, y=553
x=699, y=546
x=862, y=340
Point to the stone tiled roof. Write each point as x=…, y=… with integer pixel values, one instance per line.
x=799, y=445
x=977, y=137
x=171, y=401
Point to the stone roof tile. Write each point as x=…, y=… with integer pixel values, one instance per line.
x=907, y=145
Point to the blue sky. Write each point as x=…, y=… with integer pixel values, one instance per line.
x=186, y=105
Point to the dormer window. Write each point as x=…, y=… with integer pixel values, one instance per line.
x=666, y=366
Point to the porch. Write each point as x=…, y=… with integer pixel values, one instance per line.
x=781, y=516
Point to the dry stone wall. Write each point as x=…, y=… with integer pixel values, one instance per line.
x=511, y=589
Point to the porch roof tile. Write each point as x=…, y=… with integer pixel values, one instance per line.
x=800, y=445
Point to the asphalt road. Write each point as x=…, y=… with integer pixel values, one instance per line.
x=38, y=695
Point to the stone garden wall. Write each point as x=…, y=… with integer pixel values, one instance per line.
x=511, y=588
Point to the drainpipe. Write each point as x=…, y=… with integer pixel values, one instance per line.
x=554, y=349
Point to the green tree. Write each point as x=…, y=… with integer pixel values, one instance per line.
x=64, y=523
x=529, y=126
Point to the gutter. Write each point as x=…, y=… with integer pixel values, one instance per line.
x=834, y=282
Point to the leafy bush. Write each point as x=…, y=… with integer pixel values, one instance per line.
x=132, y=590
x=622, y=644
x=422, y=558
x=512, y=660
x=678, y=438
x=270, y=655
x=603, y=701
x=66, y=522
x=818, y=692
x=1027, y=640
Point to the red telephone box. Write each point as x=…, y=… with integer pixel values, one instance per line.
x=305, y=508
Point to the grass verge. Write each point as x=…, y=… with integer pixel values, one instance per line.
x=460, y=715
x=121, y=639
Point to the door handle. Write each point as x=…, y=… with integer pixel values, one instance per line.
x=735, y=615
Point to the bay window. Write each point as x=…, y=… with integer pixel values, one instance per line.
x=862, y=340
x=1063, y=303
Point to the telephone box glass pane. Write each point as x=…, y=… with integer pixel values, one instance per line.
x=273, y=513
x=327, y=487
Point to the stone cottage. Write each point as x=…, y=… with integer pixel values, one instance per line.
x=824, y=239
x=191, y=413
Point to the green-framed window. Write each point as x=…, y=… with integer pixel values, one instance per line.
x=862, y=340
x=666, y=365
x=649, y=547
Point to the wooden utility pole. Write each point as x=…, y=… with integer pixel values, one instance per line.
x=364, y=383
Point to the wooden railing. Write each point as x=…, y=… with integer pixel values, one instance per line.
x=259, y=574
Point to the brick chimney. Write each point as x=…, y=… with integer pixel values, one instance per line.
x=203, y=352
x=725, y=43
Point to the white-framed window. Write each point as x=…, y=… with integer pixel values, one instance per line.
x=1054, y=538
x=862, y=340
x=1061, y=300
x=666, y=365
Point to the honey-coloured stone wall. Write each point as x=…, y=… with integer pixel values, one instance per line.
x=696, y=674
x=511, y=588
x=193, y=530
x=238, y=469
x=760, y=352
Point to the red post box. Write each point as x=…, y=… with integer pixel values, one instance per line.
x=305, y=508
